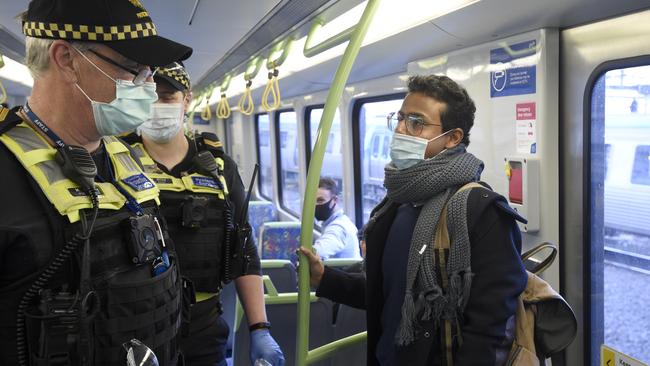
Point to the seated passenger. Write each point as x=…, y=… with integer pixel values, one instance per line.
x=402, y=289
x=339, y=239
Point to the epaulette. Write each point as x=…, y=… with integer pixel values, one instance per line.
x=209, y=141
x=9, y=119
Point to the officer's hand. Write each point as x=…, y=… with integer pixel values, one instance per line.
x=264, y=347
x=316, y=268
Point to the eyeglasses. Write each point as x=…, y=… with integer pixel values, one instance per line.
x=414, y=123
x=140, y=75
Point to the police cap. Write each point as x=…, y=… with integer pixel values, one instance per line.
x=175, y=75
x=123, y=25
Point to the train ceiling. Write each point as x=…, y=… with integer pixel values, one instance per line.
x=218, y=26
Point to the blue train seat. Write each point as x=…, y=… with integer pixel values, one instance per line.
x=260, y=212
x=279, y=240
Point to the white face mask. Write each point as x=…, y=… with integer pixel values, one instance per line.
x=130, y=108
x=406, y=150
x=165, y=122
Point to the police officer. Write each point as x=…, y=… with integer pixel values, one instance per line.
x=87, y=264
x=201, y=204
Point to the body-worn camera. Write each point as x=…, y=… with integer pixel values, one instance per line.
x=142, y=241
x=195, y=211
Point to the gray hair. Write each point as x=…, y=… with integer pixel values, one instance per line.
x=38, y=58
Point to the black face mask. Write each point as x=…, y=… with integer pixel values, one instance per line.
x=323, y=211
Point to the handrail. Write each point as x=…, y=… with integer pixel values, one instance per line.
x=327, y=350
x=272, y=297
x=285, y=48
x=225, y=84
x=335, y=40
x=303, y=357
x=256, y=64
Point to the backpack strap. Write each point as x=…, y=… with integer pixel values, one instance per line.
x=441, y=245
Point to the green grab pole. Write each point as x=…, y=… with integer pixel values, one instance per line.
x=312, y=50
x=313, y=175
x=327, y=350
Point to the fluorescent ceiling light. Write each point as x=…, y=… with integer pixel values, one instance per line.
x=392, y=17
x=16, y=72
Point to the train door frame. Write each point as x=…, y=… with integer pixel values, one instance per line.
x=356, y=147
x=584, y=58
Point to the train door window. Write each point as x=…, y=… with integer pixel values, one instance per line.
x=288, y=162
x=263, y=131
x=372, y=144
x=333, y=159
x=641, y=170
x=619, y=248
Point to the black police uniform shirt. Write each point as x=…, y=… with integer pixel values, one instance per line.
x=26, y=238
x=235, y=186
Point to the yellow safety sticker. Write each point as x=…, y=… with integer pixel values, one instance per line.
x=611, y=357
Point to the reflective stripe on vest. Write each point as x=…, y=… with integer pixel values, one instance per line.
x=196, y=183
x=37, y=156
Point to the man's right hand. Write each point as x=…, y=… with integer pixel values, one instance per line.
x=316, y=268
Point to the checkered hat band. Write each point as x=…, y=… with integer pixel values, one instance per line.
x=178, y=75
x=96, y=33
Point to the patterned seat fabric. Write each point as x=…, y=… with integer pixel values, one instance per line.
x=279, y=240
x=260, y=212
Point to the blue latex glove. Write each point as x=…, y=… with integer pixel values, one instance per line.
x=264, y=346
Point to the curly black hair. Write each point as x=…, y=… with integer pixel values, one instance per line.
x=460, y=109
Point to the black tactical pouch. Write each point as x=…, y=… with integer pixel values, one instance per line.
x=236, y=258
x=189, y=299
x=53, y=329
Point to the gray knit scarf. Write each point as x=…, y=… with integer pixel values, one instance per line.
x=432, y=182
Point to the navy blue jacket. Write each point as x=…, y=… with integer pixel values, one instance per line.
x=488, y=321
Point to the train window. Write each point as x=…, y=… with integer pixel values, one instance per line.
x=333, y=160
x=620, y=211
x=230, y=137
x=372, y=143
x=288, y=163
x=262, y=129
x=641, y=170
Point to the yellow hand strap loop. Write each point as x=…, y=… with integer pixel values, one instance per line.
x=206, y=114
x=273, y=89
x=246, y=105
x=223, y=108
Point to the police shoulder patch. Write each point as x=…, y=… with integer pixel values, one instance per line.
x=138, y=182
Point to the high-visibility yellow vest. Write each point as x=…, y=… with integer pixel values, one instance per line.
x=37, y=156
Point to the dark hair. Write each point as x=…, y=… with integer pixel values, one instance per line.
x=329, y=184
x=460, y=109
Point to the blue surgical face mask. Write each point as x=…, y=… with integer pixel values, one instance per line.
x=406, y=151
x=130, y=108
x=165, y=122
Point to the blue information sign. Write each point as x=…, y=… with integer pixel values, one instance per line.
x=515, y=80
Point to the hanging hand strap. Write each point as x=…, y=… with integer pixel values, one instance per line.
x=272, y=89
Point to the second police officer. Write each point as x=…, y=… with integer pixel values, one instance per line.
x=203, y=201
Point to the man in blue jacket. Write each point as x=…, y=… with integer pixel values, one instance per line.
x=402, y=287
